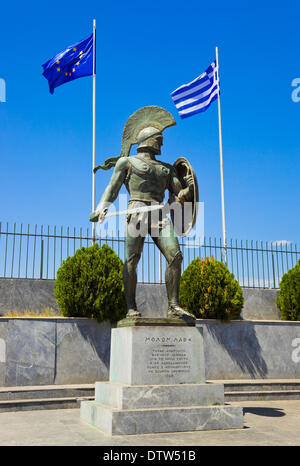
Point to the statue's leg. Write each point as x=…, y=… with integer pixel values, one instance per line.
x=134, y=248
x=168, y=244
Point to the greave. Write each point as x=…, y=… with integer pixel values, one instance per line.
x=173, y=274
x=129, y=282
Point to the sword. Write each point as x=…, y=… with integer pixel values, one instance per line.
x=136, y=210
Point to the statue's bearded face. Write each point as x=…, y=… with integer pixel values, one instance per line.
x=152, y=144
x=157, y=143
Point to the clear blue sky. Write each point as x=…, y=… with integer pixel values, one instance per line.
x=144, y=52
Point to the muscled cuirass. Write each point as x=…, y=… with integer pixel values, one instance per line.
x=147, y=180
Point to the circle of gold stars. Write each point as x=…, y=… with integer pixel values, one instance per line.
x=76, y=64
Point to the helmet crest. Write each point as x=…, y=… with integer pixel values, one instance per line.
x=153, y=117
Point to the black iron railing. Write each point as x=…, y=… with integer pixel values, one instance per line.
x=37, y=252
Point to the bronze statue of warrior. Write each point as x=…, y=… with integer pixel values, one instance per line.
x=146, y=180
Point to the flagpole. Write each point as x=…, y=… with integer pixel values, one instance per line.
x=221, y=164
x=94, y=129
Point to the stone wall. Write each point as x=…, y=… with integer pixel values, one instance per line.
x=46, y=351
x=25, y=294
x=260, y=304
x=251, y=349
x=18, y=294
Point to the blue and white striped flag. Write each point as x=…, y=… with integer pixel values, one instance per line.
x=197, y=96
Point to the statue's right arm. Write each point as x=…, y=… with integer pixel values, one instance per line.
x=111, y=192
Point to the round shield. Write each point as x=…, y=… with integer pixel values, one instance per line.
x=184, y=217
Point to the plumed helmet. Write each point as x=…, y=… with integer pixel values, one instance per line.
x=146, y=139
x=145, y=119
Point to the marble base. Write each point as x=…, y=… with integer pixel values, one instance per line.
x=157, y=384
x=157, y=321
x=122, y=396
x=157, y=355
x=154, y=420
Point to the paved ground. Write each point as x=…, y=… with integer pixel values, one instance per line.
x=265, y=423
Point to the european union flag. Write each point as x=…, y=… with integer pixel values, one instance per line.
x=74, y=62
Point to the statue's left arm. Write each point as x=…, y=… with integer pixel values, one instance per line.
x=175, y=187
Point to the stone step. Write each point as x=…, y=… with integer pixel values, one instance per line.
x=60, y=396
x=42, y=403
x=276, y=385
x=46, y=391
x=154, y=420
x=261, y=395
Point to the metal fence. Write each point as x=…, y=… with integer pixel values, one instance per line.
x=38, y=251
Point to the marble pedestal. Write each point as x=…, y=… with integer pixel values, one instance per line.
x=157, y=383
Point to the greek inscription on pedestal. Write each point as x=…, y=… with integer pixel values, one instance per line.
x=168, y=356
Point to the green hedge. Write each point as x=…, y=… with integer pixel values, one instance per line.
x=288, y=299
x=89, y=284
x=209, y=291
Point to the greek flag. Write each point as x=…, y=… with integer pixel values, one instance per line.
x=197, y=96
